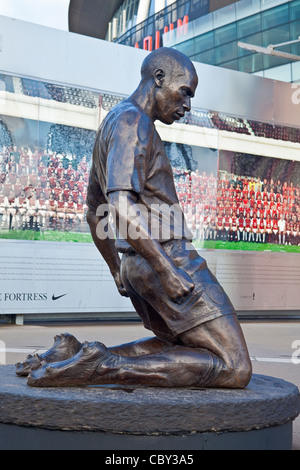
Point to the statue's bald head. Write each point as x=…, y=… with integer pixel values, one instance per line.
x=168, y=83
x=170, y=61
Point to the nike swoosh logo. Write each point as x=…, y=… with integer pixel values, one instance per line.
x=57, y=297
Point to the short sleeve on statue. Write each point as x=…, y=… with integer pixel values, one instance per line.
x=129, y=152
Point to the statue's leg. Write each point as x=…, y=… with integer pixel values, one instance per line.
x=211, y=355
x=66, y=346
x=142, y=347
x=224, y=338
x=94, y=364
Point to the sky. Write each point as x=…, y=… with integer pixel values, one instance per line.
x=52, y=13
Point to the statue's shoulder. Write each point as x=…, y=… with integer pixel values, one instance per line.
x=128, y=114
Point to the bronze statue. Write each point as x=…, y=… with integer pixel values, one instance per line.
x=198, y=341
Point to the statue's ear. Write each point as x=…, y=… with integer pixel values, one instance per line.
x=159, y=76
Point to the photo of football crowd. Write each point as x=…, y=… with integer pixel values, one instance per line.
x=229, y=198
x=239, y=209
x=42, y=190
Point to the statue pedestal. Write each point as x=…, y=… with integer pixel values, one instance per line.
x=141, y=418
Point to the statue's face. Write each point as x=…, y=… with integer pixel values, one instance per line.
x=173, y=98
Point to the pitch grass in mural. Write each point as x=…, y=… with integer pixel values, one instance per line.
x=244, y=246
x=58, y=236
x=50, y=236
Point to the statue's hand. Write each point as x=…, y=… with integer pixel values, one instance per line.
x=119, y=284
x=177, y=284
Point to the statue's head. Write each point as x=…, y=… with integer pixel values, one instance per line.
x=174, y=81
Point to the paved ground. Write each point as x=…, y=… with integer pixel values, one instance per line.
x=274, y=346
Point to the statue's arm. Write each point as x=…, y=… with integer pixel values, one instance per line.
x=174, y=280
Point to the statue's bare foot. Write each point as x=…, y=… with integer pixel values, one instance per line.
x=76, y=371
x=64, y=347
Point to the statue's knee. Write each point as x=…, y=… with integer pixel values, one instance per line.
x=244, y=376
x=239, y=375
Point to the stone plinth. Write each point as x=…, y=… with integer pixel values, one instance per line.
x=114, y=417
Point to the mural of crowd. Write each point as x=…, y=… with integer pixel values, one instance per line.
x=236, y=208
x=42, y=190
x=45, y=190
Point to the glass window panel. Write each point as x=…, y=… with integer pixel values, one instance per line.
x=276, y=35
x=295, y=10
x=286, y=48
x=207, y=57
x=233, y=65
x=251, y=63
x=296, y=72
x=225, y=34
x=267, y=4
x=186, y=47
x=273, y=61
x=226, y=53
x=138, y=36
x=203, y=24
x=224, y=15
x=249, y=26
x=9, y=85
x=152, y=8
x=204, y=42
x=295, y=48
x=295, y=29
x=149, y=28
x=275, y=16
x=245, y=8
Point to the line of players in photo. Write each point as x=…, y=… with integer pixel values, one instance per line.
x=42, y=191
x=239, y=209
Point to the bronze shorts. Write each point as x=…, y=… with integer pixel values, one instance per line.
x=158, y=312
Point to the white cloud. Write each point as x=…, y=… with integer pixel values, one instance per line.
x=52, y=13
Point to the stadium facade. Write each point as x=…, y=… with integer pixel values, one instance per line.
x=207, y=31
x=56, y=87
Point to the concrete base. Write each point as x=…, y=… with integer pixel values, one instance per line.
x=14, y=437
x=142, y=418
